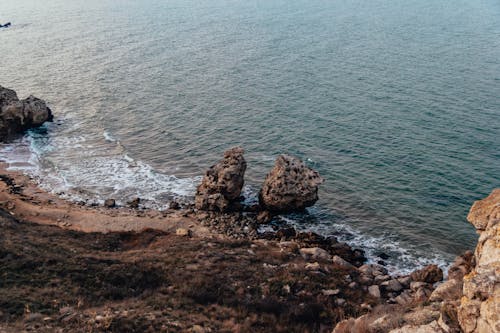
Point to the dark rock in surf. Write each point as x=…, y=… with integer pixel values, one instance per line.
x=220, y=188
x=109, y=203
x=17, y=115
x=290, y=186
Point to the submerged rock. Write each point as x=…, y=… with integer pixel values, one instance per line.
x=17, y=115
x=220, y=188
x=289, y=186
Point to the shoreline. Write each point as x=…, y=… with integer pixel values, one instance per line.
x=21, y=197
x=313, y=274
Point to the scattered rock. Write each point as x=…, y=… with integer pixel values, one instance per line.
x=174, y=205
x=264, y=217
x=221, y=185
x=183, y=232
x=342, y=263
x=330, y=292
x=374, y=291
x=134, y=203
x=432, y=327
x=448, y=290
x=289, y=186
x=404, y=298
x=315, y=253
x=313, y=266
x=392, y=285
x=429, y=274
x=109, y=203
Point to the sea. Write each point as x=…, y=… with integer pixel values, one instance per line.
x=395, y=102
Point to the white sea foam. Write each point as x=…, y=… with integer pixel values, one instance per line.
x=108, y=137
x=95, y=178
x=120, y=176
x=403, y=258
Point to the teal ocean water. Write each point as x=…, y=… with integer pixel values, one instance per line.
x=395, y=103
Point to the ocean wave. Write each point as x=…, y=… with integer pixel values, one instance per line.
x=95, y=178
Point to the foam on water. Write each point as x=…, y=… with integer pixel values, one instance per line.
x=403, y=259
x=95, y=178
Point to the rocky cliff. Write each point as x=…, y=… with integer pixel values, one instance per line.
x=468, y=301
x=479, y=309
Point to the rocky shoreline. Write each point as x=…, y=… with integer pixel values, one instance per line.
x=205, y=267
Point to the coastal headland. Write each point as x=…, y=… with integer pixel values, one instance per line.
x=204, y=267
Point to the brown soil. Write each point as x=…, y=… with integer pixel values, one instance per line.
x=53, y=279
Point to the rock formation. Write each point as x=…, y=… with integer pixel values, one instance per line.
x=221, y=185
x=289, y=186
x=468, y=301
x=479, y=309
x=17, y=115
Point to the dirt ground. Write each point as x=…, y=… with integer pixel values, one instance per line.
x=54, y=279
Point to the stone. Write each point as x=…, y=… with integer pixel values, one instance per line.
x=405, y=281
x=134, y=203
x=422, y=295
x=337, y=260
x=330, y=292
x=404, y=298
x=415, y=285
x=448, y=290
x=374, y=291
x=313, y=266
x=482, y=210
x=430, y=274
x=220, y=188
x=286, y=233
x=314, y=254
x=381, y=278
x=264, y=217
x=289, y=186
x=183, y=232
x=392, y=285
x=16, y=115
x=432, y=327
x=109, y=203
x=174, y=205
x=479, y=309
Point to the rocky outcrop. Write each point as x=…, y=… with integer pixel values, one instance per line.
x=468, y=301
x=17, y=115
x=479, y=309
x=289, y=186
x=220, y=188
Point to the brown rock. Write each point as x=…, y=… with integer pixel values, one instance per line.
x=221, y=185
x=134, y=203
x=17, y=116
x=483, y=210
x=479, y=309
x=109, y=203
x=264, y=217
x=289, y=186
x=429, y=274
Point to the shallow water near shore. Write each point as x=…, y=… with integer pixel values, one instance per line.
x=397, y=105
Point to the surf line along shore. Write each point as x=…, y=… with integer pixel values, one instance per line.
x=282, y=281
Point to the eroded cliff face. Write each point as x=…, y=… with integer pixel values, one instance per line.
x=479, y=309
x=468, y=301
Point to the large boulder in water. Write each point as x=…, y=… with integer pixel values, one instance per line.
x=17, y=115
x=221, y=185
x=290, y=186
